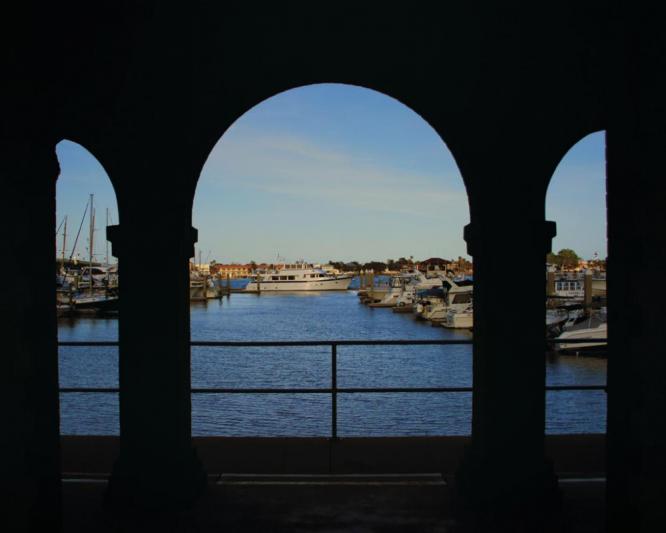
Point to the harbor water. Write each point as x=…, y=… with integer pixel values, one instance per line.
x=316, y=317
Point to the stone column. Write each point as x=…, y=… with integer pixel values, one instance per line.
x=30, y=444
x=636, y=437
x=157, y=467
x=505, y=475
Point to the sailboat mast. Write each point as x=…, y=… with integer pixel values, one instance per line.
x=107, y=242
x=64, y=243
x=92, y=243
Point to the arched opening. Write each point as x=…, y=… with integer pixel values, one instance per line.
x=352, y=180
x=576, y=290
x=86, y=294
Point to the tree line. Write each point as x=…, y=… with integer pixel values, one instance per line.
x=567, y=258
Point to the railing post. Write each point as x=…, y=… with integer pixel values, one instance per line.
x=334, y=390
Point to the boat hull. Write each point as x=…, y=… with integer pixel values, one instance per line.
x=459, y=321
x=594, y=334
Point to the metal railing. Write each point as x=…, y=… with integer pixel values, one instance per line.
x=334, y=389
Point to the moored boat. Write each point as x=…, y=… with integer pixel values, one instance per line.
x=595, y=328
x=298, y=277
x=460, y=318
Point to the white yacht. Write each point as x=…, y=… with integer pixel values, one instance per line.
x=298, y=277
x=457, y=296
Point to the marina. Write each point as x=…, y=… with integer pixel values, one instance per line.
x=315, y=316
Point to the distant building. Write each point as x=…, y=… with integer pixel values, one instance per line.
x=458, y=266
x=235, y=270
x=434, y=263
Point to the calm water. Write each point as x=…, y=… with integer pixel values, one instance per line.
x=315, y=316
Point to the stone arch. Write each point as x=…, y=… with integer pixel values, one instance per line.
x=210, y=132
x=98, y=152
x=394, y=101
x=82, y=173
x=576, y=202
x=74, y=150
x=566, y=141
x=564, y=161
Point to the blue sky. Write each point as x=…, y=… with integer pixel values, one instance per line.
x=338, y=172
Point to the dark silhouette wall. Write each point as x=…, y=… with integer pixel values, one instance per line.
x=149, y=88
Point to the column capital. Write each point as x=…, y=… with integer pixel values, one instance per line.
x=182, y=239
x=27, y=166
x=540, y=232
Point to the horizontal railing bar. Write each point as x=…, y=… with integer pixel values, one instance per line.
x=416, y=342
x=261, y=390
x=400, y=342
x=575, y=387
x=339, y=390
x=347, y=390
x=88, y=343
x=89, y=389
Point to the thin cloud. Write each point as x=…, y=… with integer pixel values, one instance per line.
x=299, y=168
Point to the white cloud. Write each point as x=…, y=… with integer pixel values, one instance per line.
x=299, y=168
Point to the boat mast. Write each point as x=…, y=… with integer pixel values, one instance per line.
x=64, y=243
x=107, y=242
x=92, y=244
x=78, y=233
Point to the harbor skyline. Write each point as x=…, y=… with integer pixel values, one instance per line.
x=336, y=172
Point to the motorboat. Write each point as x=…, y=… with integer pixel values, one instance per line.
x=298, y=277
x=417, y=284
x=594, y=328
x=460, y=317
x=563, y=317
x=457, y=295
x=403, y=287
x=426, y=299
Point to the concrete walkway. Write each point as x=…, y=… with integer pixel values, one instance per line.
x=381, y=504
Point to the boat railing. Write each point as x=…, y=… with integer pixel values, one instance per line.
x=334, y=389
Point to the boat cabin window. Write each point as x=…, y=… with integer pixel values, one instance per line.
x=291, y=277
x=283, y=277
x=463, y=298
x=275, y=278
